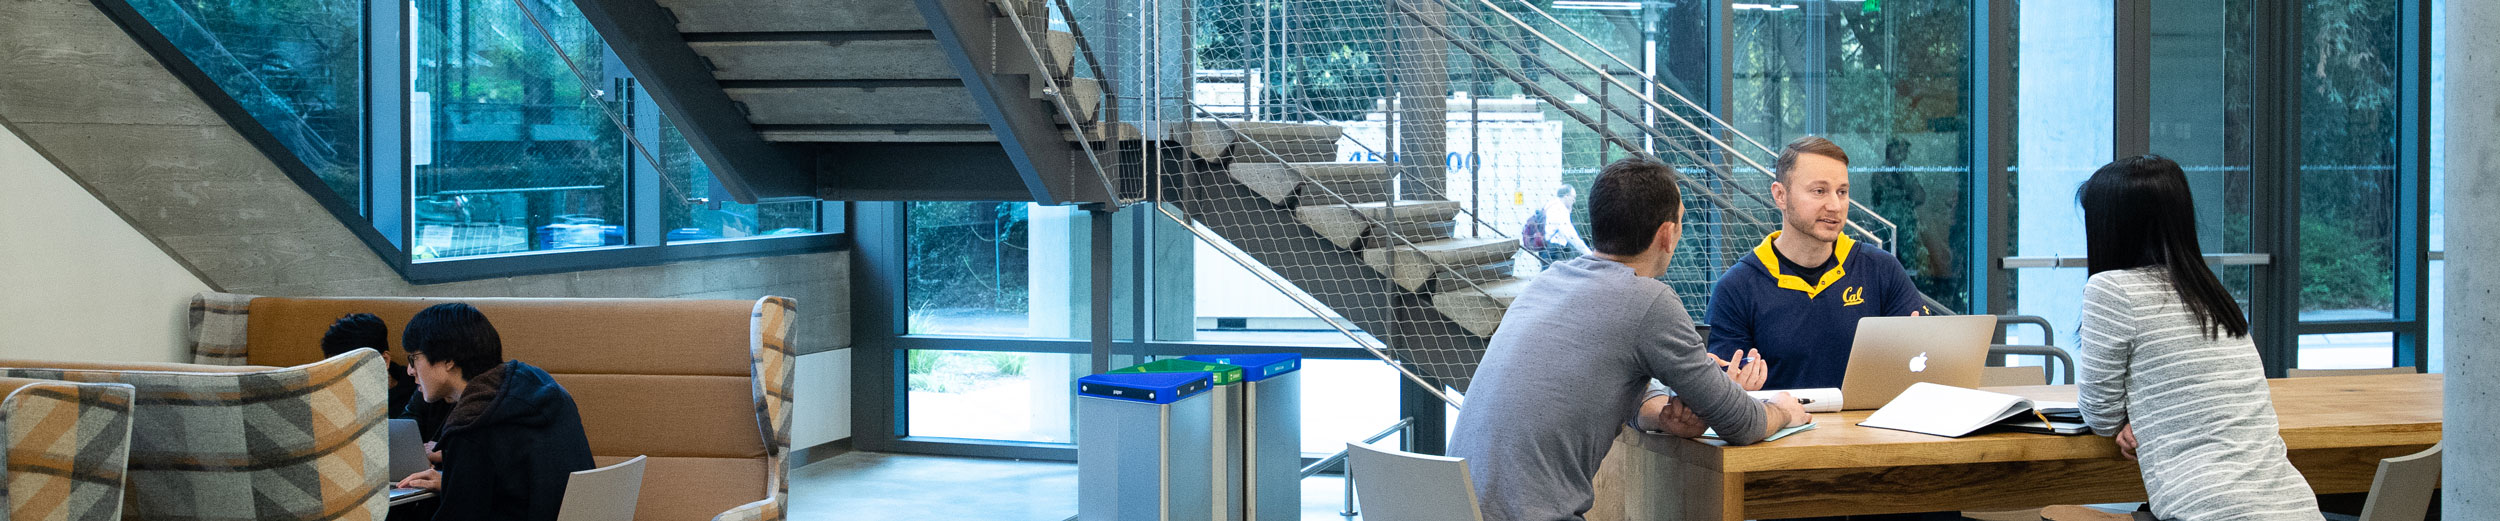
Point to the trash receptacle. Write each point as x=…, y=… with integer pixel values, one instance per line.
x=1141, y=452
x=1271, y=433
x=1228, y=470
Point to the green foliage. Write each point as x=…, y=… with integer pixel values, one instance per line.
x=967, y=256
x=1008, y=364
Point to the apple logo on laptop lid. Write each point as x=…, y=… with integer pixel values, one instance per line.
x=1918, y=364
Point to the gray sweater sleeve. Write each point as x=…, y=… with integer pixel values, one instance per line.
x=1676, y=355
x=2108, y=334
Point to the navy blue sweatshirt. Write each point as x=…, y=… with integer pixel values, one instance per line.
x=1804, y=328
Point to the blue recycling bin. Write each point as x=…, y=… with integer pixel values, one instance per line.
x=1270, y=433
x=1143, y=441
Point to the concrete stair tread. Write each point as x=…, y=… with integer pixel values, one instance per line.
x=1480, y=312
x=1222, y=140
x=1281, y=182
x=1414, y=266
x=1346, y=225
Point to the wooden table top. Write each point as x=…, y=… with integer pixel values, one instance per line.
x=2316, y=412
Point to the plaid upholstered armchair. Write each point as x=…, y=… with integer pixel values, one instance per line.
x=220, y=442
x=702, y=387
x=63, y=449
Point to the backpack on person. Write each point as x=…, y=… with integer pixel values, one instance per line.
x=1532, y=235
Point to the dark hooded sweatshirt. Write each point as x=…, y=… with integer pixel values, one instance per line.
x=511, y=442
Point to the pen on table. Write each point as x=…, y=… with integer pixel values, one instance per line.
x=1800, y=401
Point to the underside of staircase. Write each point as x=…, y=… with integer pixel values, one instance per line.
x=865, y=99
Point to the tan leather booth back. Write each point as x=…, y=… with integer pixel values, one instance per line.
x=665, y=378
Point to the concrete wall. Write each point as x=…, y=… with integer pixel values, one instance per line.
x=78, y=89
x=70, y=260
x=2473, y=435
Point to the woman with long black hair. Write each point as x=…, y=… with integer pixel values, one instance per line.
x=2168, y=368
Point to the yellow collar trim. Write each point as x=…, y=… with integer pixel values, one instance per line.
x=1771, y=263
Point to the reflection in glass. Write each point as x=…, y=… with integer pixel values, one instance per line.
x=513, y=148
x=992, y=395
x=297, y=67
x=698, y=208
x=2348, y=156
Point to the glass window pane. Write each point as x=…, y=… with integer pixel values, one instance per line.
x=1344, y=401
x=1885, y=81
x=997, y=269
x=2201, y=108
x=2348, y=151
x=2348, y=351
x=513, y=149
x=699, y=208
x=992, y=395
x=1231, y=305
x=2063, y=132
x=297, y=67
x=2439, y=126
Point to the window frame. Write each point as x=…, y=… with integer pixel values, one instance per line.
x=389, y=227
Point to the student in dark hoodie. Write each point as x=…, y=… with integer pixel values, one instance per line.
x=513, y=437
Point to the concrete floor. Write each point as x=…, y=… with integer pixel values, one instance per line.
x=869, y=486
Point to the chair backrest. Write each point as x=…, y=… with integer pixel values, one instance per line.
x=2306, y=373
x=2402, y=491
x=1394, y=485
x=603, y=494
x=2011, y=376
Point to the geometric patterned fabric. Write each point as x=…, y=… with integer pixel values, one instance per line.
x=65, y=449
x=215, y=443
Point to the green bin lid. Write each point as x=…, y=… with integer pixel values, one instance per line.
x=1225, y=374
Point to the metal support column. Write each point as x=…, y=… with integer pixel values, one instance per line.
x=1992, y=147
x=2132, y=73
x=1099, y=217
x=2274, y=168
x=1431, y=432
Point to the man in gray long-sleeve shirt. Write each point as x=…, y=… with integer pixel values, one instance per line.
x=1575, y=353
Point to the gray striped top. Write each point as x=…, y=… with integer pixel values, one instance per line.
x=2209, y=445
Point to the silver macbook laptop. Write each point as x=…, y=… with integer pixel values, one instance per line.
x=1891, y=353
x=407, y=454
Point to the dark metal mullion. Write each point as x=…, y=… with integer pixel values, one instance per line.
x=2275, y=181
x=2132, y=75
x=1992, y=144
x=877, y=274
x=2399, y=327
x=644, y=186
x=2413, y=95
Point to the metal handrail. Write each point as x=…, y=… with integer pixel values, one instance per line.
x=1893, y=229
x=1619, y=141
x=1059, y=100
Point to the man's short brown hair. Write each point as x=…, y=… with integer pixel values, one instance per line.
x=1629, y=200
x=1805, y=145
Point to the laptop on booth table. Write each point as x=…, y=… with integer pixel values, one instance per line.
x=1891, y=353
x=407, y=455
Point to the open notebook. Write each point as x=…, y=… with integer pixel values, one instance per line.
x=1945, y=410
